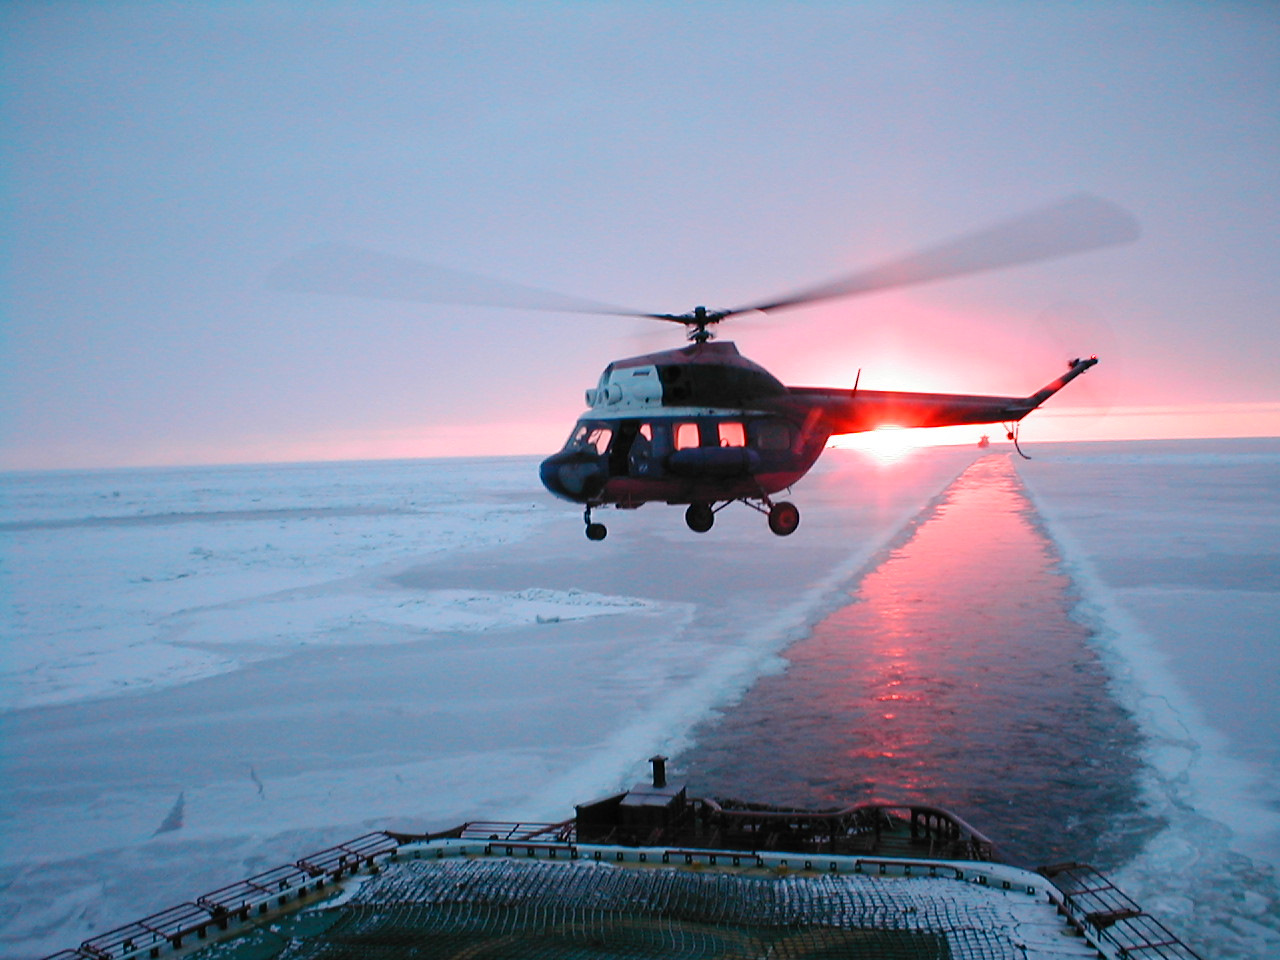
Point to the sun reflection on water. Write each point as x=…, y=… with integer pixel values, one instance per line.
x=955, y=677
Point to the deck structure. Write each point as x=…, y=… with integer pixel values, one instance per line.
x=652, y=872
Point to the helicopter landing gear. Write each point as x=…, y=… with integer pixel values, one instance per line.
x=784, y=517
x=699, y=517
x=595, y=531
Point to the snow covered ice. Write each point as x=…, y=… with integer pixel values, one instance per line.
x=210, y=671
x=1174, y=547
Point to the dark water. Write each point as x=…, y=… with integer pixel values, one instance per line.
x=955, y=676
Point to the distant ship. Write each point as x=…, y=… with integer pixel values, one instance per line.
x=984, y=442
x=653, y=872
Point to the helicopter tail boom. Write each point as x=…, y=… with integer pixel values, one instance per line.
x=856, y=411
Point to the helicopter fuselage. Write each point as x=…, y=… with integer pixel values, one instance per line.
x=704, y=425
x=701, y=424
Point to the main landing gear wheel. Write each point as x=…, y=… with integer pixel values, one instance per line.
x=699, y=517
x=784, y=518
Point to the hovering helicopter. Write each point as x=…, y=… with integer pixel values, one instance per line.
x=702, y=426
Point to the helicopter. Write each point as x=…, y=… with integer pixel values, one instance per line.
x=702, y=426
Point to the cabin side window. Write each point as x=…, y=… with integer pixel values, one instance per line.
x=731, y=434
x=772, y=435
x=687, y=436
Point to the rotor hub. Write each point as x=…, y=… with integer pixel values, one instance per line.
x=699, y=323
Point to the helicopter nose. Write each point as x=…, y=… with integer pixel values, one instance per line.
x=571, y=476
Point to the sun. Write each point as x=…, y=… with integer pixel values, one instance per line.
x=887, y=444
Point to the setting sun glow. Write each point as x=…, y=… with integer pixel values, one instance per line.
x=888, y=443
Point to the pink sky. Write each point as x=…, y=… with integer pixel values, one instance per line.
x=161, y=160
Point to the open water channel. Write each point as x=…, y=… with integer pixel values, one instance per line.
x=955, y=676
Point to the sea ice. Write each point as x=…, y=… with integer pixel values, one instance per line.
x=305, y=652
x=302, y=653
x=1174, y=547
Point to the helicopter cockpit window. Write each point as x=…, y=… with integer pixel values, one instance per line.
x=732, y=434
x=590, y=437
x=687, y=436
x=599, y=438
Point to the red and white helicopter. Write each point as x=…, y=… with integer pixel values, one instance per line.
x=702, y=426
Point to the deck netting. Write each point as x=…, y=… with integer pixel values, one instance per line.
x=499, y=909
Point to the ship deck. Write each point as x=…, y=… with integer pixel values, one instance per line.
x=459, y=901
x=655, y=873
x=532, y=891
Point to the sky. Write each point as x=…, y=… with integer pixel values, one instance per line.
x=160, y=160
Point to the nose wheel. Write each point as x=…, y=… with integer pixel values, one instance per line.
x=595, y=531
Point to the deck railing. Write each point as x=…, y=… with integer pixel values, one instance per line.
x=1090, y=900
x=217, y=910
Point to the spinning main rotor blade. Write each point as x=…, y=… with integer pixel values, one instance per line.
x=1074, y=225
x=349, y=271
